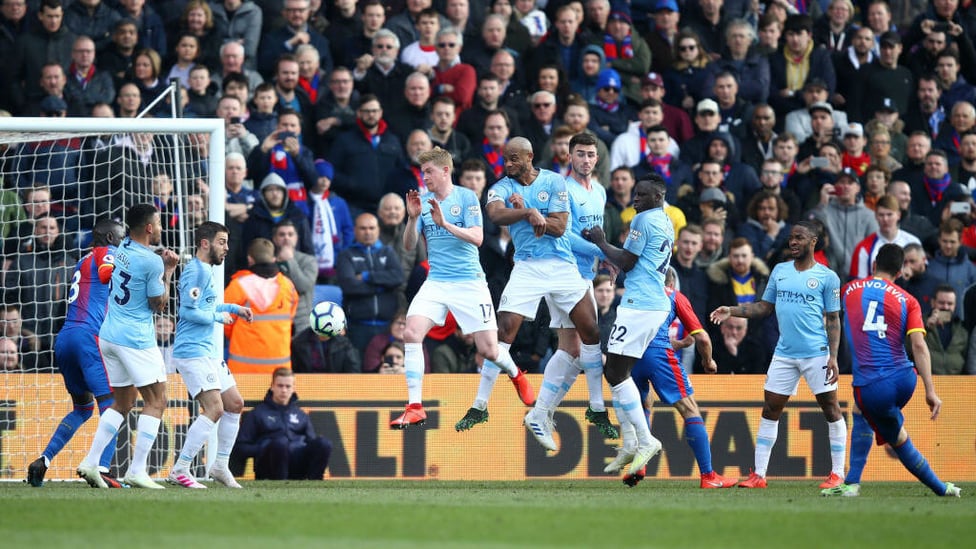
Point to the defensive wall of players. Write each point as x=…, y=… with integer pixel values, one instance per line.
x=354, y=411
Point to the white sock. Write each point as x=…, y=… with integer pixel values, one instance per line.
x=227, y=429
x=504, y=360
x=148, y=428
x=196, y=437
x=765, y=439
x=489, y=374
x=838, y=445
x=569, y=379
x=591, y=362
x=109, y=422
x=627, y=432
x=550, y=393
x=413, y=369
x=626, y=401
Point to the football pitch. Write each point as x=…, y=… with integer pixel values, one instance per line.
x=407, y=514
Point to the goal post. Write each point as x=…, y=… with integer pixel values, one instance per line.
x=91, y=168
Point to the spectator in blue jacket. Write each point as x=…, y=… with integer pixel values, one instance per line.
x=280, y=437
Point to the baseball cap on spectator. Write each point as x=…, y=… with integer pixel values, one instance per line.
x=890, y=38
x=887, y=105
x=653, y=79
x=620, y=12
x=53, y=105
x=712, y=194
x=958, y=192
x=854, y=129
x=324, y=168
x=848, y=173
x=821, y=106
x=608, y=78
x=665, y=5
x=273, y=180
x=815, y=82
x=707, y=105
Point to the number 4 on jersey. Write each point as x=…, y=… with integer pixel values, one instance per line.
x=875, y=321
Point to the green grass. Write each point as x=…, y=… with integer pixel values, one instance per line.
x=395, y=514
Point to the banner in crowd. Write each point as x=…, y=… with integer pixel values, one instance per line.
x=354, y=411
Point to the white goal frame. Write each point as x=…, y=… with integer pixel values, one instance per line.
x=14, y=130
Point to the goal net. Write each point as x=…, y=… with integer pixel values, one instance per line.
x=59, y=177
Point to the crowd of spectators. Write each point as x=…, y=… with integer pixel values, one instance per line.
x=757, y=114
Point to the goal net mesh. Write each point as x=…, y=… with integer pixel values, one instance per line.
x=55, y=186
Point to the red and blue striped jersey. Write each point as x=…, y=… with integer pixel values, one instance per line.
x=88, y=294
x=681, y=311
x=878, y=317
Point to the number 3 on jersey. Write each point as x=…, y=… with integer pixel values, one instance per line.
x=123, y=287
x=874, y=320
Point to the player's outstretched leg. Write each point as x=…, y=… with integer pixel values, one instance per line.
x=917, y=465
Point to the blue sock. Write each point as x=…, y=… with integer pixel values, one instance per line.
x=697, y=438
x=106, y=459
x=67, y=429
x=919, y=466
x=862, y=437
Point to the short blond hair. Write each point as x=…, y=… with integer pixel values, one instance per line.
x=438, y=157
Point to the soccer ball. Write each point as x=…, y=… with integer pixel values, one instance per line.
x=327, y=319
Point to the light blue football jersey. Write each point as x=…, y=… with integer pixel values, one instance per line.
x=452, y=259
x=585, y=211
x=548, y=195
x=138, y=276
x=198, y=312
x=801, y=299
x=651, y=238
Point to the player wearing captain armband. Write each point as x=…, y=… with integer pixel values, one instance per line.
x=76, y=350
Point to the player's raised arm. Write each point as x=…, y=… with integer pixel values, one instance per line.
x=170, y=261
x=414, y=209
x=474, y=234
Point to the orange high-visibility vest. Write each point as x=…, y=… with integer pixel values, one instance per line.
x=265, y=343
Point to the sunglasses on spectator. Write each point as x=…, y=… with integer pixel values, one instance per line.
x=690, y=47
x=447, y=44
x=610, y=89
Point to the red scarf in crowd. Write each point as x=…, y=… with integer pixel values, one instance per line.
x=613, y=50
x=494, y=158
x=373, y=138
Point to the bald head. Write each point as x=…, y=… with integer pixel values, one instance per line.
x=519, y=144
x=367, y=230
